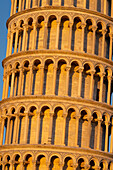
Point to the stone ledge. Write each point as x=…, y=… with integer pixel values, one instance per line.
x=59, y=8
x=56, y=52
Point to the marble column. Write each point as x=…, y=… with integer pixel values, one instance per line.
x=34, y=36
x=16, y=40
x=94, y=36
x=111, y=46
x=101, y=86
x=67, y=79
x=4, y=86
x=111, y=143
x=98, y=134
x=26, y=128
x=37, y=128
x=92, y=72
x=103, y=42
x=82, y=39
x=8, y=41
x=105, y=7
x=20, y=87
x=7, y=85
x=80, y=81
x=45, y=36
x=70, y=34
x=54, y=78
x=106, y=136
x=15, y=129
x=20, y=6
x=24, y=37
x=11, y=43
x=109, y=90
x=12, y=8
x=76, y=130
x=30, y=80
x=2, y=121
x=15, y=6
x=12, y=83
x=64, y=128
x=42, y=79
x=57, y=35
x=50, y=128
x=7, y=131
x=112, y=8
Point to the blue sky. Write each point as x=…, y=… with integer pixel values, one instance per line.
x=4, y=15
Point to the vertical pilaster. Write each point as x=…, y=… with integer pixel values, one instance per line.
x=76, y=130
x=24, y=38
x=26, y=128
x=12, y=8
x=7, y=131
x=106, y=136
x=70, y=35
x=37, y=128
x=2, y=130
x=64, y=128
x=54, y=78
x=27, y=4
x=92, y=84
x=111, y=143
x=45, y=36
x=84, y=3
x=89, y=131
x=7, y=85
x=11, y=43
x=50, y=128
x=15, y=130
x=109, y=90
x=94, y=36
x=16, y=40
x=98, y=134
x=42, y=79
x=8, y=41
x=15, y=6
x=80, y=81
x=103, y=42
x=12, y=83
x=20, y=6
x=4, y=86
x=101, y=87
x=111, y=46
x=34, y=36
x=67, y=79
x=20, y=81
x=82, y=40
x=31, y=80
x=34, y=3
x=105, y=7
x=57, y=35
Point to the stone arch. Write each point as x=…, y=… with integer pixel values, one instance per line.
x=103, y=164
x=68, y=163
x=82, y=162
x=28, y=157
x=57, y=155
x=42, y=153
x=45, y=104
x=80, y=17
x=92, y=20
x=41, y=162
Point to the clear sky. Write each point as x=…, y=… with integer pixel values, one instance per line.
x=4, y=15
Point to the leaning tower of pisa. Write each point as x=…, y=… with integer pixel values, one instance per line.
x=56, y=111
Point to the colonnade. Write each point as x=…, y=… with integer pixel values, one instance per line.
x=55, y=162
x=56, y=128
x=28, y=36
x=105, y=6
x=58, y=79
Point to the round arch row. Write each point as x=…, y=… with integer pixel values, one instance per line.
x=57, y=126
x=20, y=5
x=60, y=78
x=27, y=35
x=54, y=161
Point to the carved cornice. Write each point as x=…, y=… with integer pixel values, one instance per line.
x=68, y=9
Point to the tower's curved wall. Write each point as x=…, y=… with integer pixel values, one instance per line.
x=56, y=110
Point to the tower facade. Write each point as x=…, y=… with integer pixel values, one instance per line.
x=56, y=111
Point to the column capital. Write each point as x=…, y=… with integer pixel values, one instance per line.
x=80, y=69
x=70, y=24
x=104, y=31
x=83, y=25
x=107, y=123
x=67, y=68
x=92, y=71
x=94, y=28
x=109, y=77
x=64, y=116
x=100, y=120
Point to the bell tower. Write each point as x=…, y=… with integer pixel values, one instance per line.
x=56, y=111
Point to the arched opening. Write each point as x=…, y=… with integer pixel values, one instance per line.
x=40, y=33
x=88, y=36
x=81, y=164
x=17, y=162
x=61, y=78
x=29, y=34
x=64, y=33
x=73, y=79
x=52, y=29
x=28, y=162
x=96, y=94
x=68, y=164
x=36, y=77
x=92, y=165
x=41, y=162
x=57, y=131
x=83, y=130
x=26, y=78
x=7, y=164
x=98, y=44
x=94, y=131
x=86, y=79
x=54, y=163
x=48, y=77
x=44, y=125
x=70, y=131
